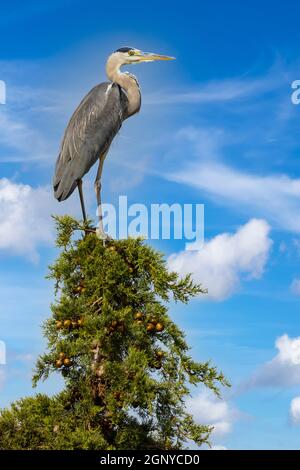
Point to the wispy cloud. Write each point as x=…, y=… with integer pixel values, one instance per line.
x=241, y=157
x=218, y=91
x=21, y=142
x=274, y=196
x=2, y=377
x=31, y=121
x=295, y=287
x=26, y=357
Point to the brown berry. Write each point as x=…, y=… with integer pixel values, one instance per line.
x=62, y=355
x=59, y=324
x=67, y=362
x=150, y=327
x=160, y=354
x=112, y=248
x=138, y=315
x=114, y=323
x=58, y=363
x=74, y=323
x=80, y=322
x=159, y=327
x=153, y=320
x=67, y=323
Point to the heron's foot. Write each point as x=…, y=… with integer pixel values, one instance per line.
x=102, y=235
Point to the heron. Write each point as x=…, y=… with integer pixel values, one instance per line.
x=95, y=123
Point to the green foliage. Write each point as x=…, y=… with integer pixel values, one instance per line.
x=125, y=363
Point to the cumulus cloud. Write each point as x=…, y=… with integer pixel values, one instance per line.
x=295, y=287
x=226, y=258
x=26, y=222
x=206, y=408
x=283, y=370
x=295, y=410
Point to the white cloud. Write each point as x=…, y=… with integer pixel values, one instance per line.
x=27, y=128
x=276, y=197
x=295, y=287
x=27, y=357
x=2, y=378
x=295, y=410
x=226, y=258
x=217, y=91
x=206, y=408
x=283, y=248
x=26, y=221
x=17, y=135
x=283, y=370
x=296, y=245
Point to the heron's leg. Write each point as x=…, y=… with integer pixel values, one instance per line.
x=79, y=185
x=100, y=230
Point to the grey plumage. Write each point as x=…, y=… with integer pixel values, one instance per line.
x=95, y=123
x=88, y=135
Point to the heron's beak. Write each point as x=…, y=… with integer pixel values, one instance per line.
x=150, y=57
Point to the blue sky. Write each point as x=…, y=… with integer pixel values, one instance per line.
x=217, y=127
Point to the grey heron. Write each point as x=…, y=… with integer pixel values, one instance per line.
x=95, y=123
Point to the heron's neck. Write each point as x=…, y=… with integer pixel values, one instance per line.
x=127, y=83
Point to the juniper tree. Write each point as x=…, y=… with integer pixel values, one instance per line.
x=126, y=365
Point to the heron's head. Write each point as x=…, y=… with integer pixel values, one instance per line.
x=130, y=55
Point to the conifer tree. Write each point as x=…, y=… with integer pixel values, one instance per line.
x=125, y=363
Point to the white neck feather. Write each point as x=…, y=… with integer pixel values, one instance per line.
x=128, y=83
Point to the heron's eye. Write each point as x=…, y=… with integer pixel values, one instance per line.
x=131, y=52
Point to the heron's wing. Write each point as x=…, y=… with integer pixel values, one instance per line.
x=88, y=135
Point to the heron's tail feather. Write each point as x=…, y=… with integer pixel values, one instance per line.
x=64, y=184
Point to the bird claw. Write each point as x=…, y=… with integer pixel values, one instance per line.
x=102, y=235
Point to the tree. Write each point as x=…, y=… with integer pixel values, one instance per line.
x=125, y=363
